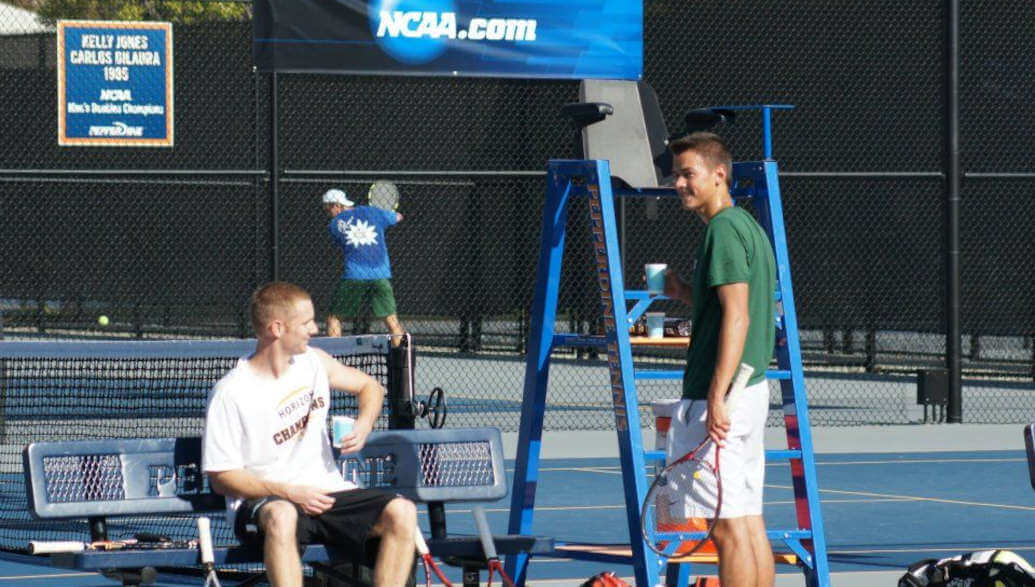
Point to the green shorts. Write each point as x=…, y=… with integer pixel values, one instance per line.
x=352, y=293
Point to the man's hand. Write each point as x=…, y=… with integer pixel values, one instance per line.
x=675, y=288
x=718, y=422
x=312, y=501
x=355, y=440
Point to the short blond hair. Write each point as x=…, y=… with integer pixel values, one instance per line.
x=274, y=300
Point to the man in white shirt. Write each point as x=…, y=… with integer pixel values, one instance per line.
x=266, y=448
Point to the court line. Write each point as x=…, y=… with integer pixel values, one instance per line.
x=920, y=498
x=617, y=469
x=52, y=576
x=957, y=549
x=913, y=461
x=562, y=508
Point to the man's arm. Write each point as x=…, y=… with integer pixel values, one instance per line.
x=241, y=483
x=368, y=392
x=733, y=329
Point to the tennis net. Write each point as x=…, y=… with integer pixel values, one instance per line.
x=72, y=390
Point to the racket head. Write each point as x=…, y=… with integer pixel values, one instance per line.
x=683, y=504
x=383, y=194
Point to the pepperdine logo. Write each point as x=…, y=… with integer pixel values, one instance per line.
x=417, y=31
x=116, y=129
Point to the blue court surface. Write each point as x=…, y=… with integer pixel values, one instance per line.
x=883, y=511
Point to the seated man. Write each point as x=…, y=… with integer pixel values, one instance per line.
x=266, y=448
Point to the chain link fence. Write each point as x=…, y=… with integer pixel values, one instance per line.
x=170, y=242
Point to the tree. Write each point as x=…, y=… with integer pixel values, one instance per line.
x=177, y=11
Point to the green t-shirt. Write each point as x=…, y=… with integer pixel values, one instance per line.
x=734, y=249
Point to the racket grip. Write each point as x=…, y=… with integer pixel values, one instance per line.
x=418, y=539
x=205, y=540
x=484, y=533
x=53, y=546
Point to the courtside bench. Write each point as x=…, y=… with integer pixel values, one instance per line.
x=101, y=479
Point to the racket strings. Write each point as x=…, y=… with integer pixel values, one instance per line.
x=673, y=509
x=383, y=194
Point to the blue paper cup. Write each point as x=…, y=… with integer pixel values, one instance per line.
x=341, y=426
x=655, y=273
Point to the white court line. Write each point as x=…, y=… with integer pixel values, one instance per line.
x=914, y=461
x=601, y=469
x=930, y=549
x=51, y=576
x=617, y=469
x=921, y=498
x=562, y=508
x=826, y=501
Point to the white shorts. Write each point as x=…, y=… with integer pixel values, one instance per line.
x=741, y=460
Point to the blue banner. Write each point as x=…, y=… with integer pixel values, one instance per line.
x=574, y=39
x=115, y=83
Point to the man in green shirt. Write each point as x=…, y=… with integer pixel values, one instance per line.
x=731, y=293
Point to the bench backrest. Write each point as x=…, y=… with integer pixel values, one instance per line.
x=100, y=478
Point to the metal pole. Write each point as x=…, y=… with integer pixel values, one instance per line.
x=274, y=183
x=953, y=335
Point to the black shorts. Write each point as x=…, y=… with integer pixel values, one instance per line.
x=350, y=519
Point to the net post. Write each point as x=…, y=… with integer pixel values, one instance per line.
x=400, y=385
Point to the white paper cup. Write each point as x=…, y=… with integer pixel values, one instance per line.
x=655, y=273
x=341, y=426
x=655, y=324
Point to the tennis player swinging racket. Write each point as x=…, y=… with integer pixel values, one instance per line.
x=672, y=525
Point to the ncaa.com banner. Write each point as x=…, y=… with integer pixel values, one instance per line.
x=509, y=38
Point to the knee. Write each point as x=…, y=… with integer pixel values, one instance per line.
x=729, y=532
x=279, y=520
x=400, y=516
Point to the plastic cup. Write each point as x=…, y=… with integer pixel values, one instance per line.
x=655, y=324
x=655, y=273
x=341, y=426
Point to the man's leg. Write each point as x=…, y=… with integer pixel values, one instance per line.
x=396, y=329
x=762, y=551
x=382, y=302
x=279, y=521
x=344, y=304
x=736, y=557
x=333, y=326
x=396, y=528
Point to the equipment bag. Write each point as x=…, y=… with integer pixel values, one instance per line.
x=983, y=568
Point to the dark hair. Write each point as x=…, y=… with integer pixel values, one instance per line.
x=272, y=300
x=712, y=148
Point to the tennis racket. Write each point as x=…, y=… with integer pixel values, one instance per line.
x=384, y=195
x=489, y=547
x=208, y=562
x=672, y=520
x=57, y=546
x=429, y=562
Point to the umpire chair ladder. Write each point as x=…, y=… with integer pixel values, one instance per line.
x=755, y=181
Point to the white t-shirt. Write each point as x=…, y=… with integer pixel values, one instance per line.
x=274, y=428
